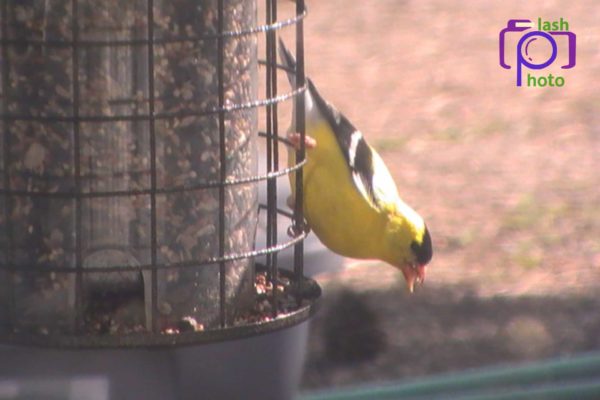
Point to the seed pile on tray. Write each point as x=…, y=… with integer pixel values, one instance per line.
x=262, y=310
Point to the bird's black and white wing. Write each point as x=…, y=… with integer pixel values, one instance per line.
x=369, y=174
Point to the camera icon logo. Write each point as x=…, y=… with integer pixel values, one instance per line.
x=547, y=31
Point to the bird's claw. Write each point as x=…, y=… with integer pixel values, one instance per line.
x=296, y=229
x=295, y=139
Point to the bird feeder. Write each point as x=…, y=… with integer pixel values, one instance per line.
x=129, y=183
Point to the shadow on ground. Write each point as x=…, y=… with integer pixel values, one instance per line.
x=440, y=329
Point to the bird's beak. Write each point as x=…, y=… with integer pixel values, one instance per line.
x=414, y=274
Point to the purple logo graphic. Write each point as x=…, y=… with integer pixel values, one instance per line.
x=548, y=31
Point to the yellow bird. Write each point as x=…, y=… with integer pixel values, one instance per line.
x=350, y=199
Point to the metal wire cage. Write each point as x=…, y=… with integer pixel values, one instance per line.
x=128, y=204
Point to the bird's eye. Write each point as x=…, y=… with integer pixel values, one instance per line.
x=423, y=251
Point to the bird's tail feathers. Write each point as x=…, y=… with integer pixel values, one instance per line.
x=288, y=61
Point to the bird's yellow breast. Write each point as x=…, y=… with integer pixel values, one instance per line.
x=335, y=210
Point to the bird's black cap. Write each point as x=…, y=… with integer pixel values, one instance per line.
x=424, y=250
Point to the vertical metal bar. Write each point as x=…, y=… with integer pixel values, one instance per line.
x=77, y=167
x=275, y=126
x=151, y=129
x=272, y=148
x=273, y=209
x=6, y=169
x=137, y=125
x=275, y=117
x=269, y=94
x=222, y=158
x=301, y=153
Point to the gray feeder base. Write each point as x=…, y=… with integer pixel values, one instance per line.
x=265, y=367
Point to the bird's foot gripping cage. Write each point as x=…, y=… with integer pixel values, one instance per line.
x=129, y=190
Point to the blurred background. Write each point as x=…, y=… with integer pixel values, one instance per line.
x=507, y=178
